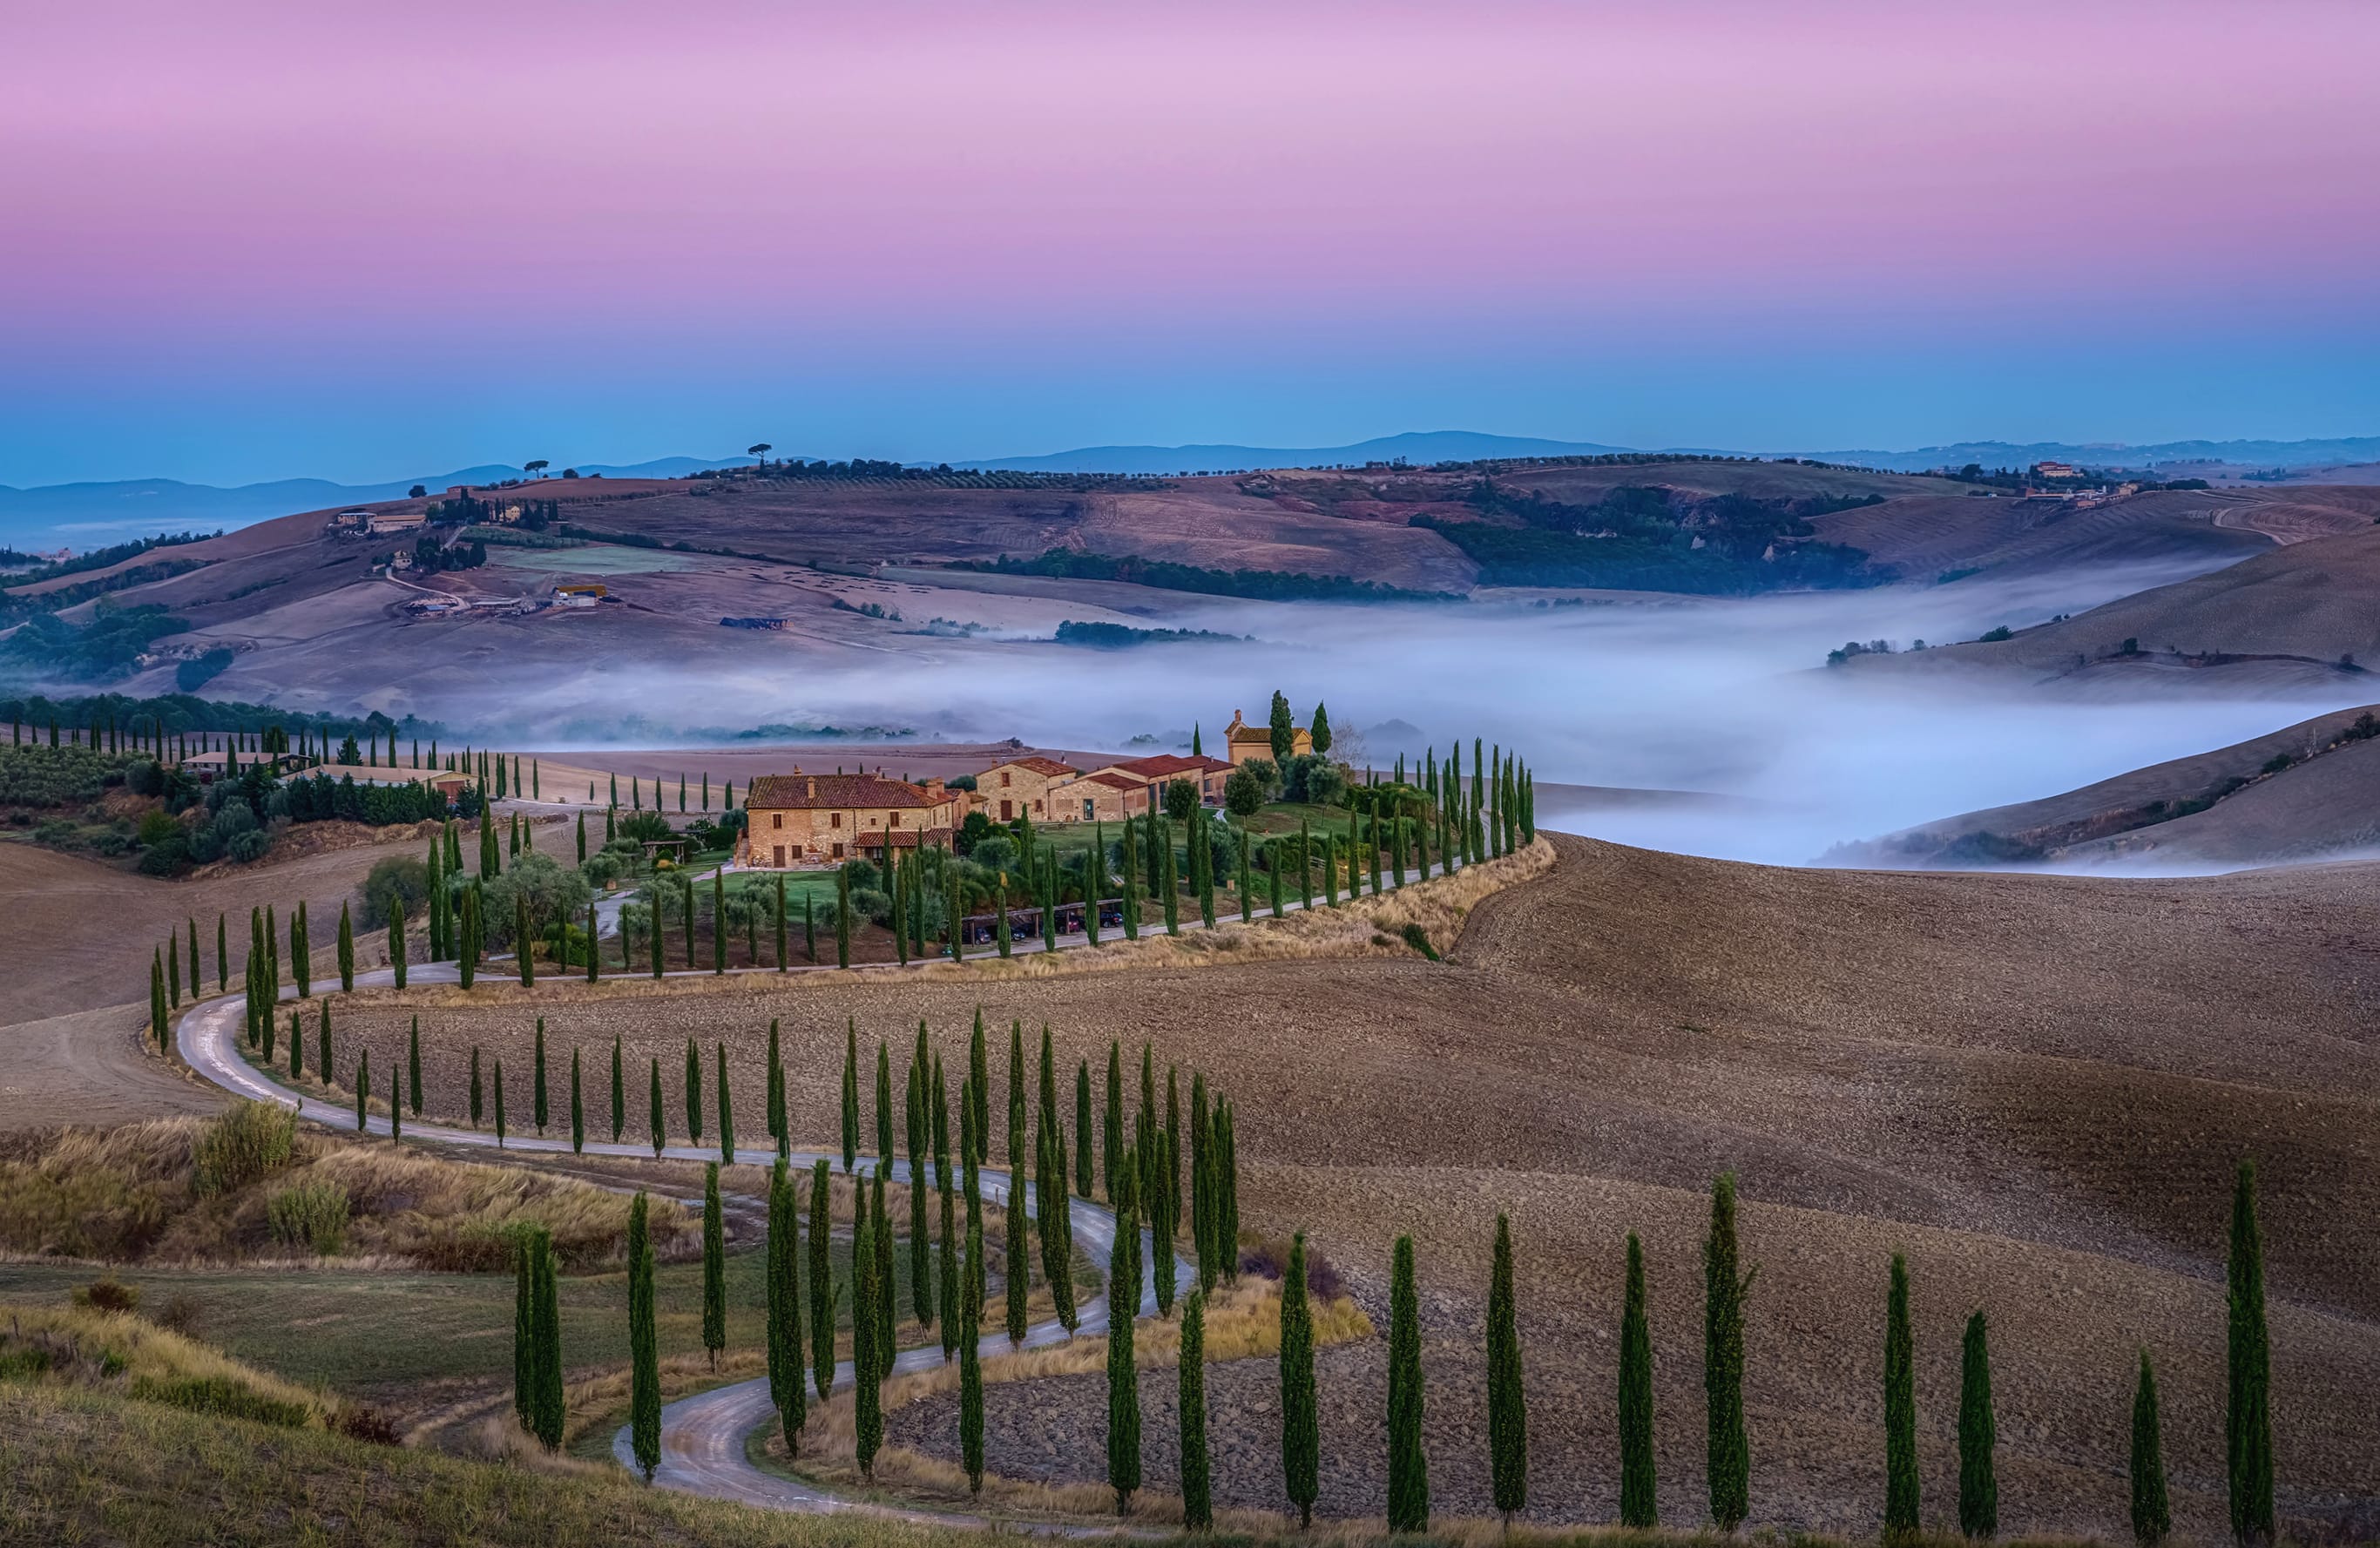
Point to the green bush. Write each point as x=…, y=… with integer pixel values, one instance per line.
x=43, y=776
x=311, y=1214
x=243, y=1146
x=394, y=879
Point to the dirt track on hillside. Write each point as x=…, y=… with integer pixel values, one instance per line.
x=2036, y=1086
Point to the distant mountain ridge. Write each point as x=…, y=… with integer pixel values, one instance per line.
x=90, y=514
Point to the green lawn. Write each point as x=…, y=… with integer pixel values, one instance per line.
x=375, y=1334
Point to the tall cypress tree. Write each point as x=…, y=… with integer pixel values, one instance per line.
x=578, y=1107
x=1123, y=1374
x=726, y=1110
x=644, y=1347
x=301, y=952
x=1408, y=1463
x=883, y=1107
x=475, y=1080
x=499, y=1104
x=537, y=1095
x=1638, y=1506
x=547, y=1413
x=323, y=1066
x=970, y=1365
x=1084, y=1181
x=821, y=1272
x=413, y=1067
x=1725, y=1286
x=1300, y=1432
x=780, y=1126
x=2248, y=1412
x=788, y=1384
x=1901, y=1512
x=347, y=951
x=850, y=1093
x=946, y=1275
x=921, y=1244
x=395, y=1108
x=659, y=1129
x=2152, y=1512
x=1197, y=1501
x=718, y=919
x=714, y=1267
x=522, y=952
x=223, y=956
x=1111, y=1120
x=396, y=952
x=1979, y=1489
x=1508, y=1414
x=867, y=1411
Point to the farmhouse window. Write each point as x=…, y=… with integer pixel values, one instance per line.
x=777, y=819
x=838, y=851
x=835, y=820
x=1087, y=813
x=1003, y=781
x=893, y=821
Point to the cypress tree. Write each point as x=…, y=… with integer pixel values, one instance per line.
x=780, y=924
x=594, y=947
x=659, y=1132
x=582, y=838
x=850, y=1093
x=887, y=1298
x=363, y=1088
x=1724, y=1289
x=644, y=1360
x=884, y=1107
x=788, y=1384
x=1408, y=1463
x=714, y=1267
x=1168, y=883
x=323, y=1062
x=396, y=962
x=522, y=952
x=1015, y=1263
x=157, y=1030
x=413, y=1067
x=970, y=1366
x=2248, y=1412
x=475, y=1085
x=524, y=1327
x=778, y=1129
x=1901, y=1512
x=1111, y=1121
x=1301, y=1432
x=499, y=1104
x=693, y=1091
x=537, y=1091
x=1638, y=1506
x=821, y=1283
x=1508, y=1413
x=467, y=950
x=546, y=1307
x=921, y=1243
x=1246, y=882
x=619, y=1092
x=2152, y=1513
x=172, y=971
x=1123, y=1375
x=301, y=952
x=946, y=1275
x=1979, y=1490
x=347, y=952
x=1083, y=1177
x=395, y=1109
x=1128, y=864
x=718, y=917
x=222, y=957
x=726, y=1111
x=866, y=1397
x=1198, y=1501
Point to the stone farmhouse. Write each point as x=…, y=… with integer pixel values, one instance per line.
x=1020, y=788
x=820, y=819
x=1242, y=742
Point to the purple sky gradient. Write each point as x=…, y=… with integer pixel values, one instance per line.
x=246, y=241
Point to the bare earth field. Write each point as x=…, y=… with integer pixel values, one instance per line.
x=2038, y=1087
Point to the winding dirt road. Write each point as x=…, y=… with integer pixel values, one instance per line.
x=703, y=1437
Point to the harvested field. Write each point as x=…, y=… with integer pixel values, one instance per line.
x=2035, y=1086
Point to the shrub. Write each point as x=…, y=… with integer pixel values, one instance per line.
x=1418, y=939
x=2277, y=762
x=312, y=1215
x=221, y=1394
x=241, y=1146
x=156, y=828
x=108, y=1294
x=181, y=1313
x=1994, y=636
x=250, y=845
x=1269, y=1259
x=369, y=1425
x=394, y=879
x=1243, y=794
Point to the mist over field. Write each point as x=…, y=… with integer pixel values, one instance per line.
x=1725, y=696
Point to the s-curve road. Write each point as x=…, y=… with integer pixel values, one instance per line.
x=703, y=1437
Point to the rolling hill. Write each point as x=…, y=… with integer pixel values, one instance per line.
x=2308, y=792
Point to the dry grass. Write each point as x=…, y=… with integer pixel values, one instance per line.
x=131, y=1194
x=117, y=1351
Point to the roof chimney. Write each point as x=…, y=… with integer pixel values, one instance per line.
x=810, y=790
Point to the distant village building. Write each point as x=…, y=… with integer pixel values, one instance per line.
x=822, y=819
x=381, y=522
x=1243, y=741
x=1020, y=788
x=1125, y=788
x=2056, y=470
x=580, y=596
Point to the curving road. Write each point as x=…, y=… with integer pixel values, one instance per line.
x=703, y=1437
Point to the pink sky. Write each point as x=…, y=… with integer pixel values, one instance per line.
x=254, y=185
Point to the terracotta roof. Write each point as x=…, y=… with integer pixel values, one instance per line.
x=1050, y=767
x=1164, y=764
x=1113, y=780
x=819, y=791
x=901, y=837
